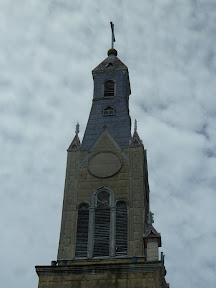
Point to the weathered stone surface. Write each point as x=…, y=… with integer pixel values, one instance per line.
x=152, y=250
x=106, y=276
x=152, y=244
x=137, y=197
x=80, y=187
x=104, y=164
x=137, y=236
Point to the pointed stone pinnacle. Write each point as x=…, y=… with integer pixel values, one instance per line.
x=135, y=125
x=150, y=218
x=77, y=128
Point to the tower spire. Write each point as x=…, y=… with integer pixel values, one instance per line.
x=106, y=197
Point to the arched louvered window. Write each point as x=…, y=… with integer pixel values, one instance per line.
x=109, y=88
x=102, y=225
x=82, y=230
x=103, y=232
x=121, y=228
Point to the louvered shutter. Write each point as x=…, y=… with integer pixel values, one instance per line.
x=109, y=88
x=121, y=228
x=82, y=232
x=102, y=232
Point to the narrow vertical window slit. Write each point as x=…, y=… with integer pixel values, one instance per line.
x=121, y=228
x=82, y=231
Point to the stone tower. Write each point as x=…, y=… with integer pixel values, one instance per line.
x=107, y=237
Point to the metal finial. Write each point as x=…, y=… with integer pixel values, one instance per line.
x=150, y=218
x=113, y=36
x=162, y=256
x=77, y=128
x=135, y=125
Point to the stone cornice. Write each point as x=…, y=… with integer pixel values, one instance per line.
x=96, y=268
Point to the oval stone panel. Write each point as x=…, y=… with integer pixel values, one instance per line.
x=104, y=164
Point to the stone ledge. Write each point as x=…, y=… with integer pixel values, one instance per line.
x=96, y=268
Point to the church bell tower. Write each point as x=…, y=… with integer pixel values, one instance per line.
x=107, y=236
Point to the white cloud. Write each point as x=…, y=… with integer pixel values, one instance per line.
x=48, y=49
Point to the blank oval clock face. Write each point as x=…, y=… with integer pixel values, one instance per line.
x=104, y=164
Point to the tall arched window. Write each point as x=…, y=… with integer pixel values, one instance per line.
x=109, y=88
x=121, y=228
x=102, y=225
x=82, y=230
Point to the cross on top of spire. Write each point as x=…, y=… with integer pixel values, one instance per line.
x=113, y=35
x=112, y=51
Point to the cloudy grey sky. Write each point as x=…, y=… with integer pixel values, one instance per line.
x=47, y=51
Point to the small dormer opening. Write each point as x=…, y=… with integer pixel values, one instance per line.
x=109, y=111
x=109, y=87
x=110, y=64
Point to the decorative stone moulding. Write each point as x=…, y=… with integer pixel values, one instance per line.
x=104, y=164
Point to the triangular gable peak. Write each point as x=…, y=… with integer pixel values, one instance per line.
x=75, y=144
x=151, y=232
x=111, y=62
x=112, y=141
x=106, y=133
x=111, y=145
x=136, y=139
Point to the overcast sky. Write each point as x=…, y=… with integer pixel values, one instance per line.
x=47, y=51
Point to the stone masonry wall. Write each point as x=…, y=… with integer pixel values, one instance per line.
x=124, y=280
x=128, y=183
x=137, y=200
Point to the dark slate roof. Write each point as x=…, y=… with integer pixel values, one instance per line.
x=151, y=232
x=75, y=144
x=118, y=125
x=115, y=64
